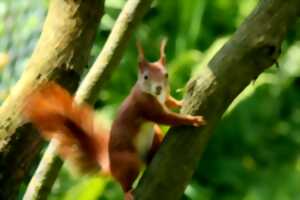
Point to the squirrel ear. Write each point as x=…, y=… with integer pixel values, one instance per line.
x=162, y=58
x=141, y=57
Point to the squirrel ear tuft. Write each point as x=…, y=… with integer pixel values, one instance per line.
x=141, y=56
x=140, y=49
x=162, y=48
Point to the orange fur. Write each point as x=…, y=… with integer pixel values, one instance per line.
x=81, y=141
x=53, y=111
x=148, y=101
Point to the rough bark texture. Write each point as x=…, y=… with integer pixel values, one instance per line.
x=254, y=47
x=44, y=177
x=113, y=49
x=61, y=54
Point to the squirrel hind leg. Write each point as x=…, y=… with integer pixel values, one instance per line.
x=125, y=167
x=128, y=195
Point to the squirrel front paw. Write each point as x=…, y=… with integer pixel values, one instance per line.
x=179, y=103
x=196, y=120
x=128, y=196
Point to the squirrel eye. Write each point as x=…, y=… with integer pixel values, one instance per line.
x=145, y=77
x=166, y=75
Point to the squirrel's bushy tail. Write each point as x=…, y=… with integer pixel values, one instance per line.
x=81, y=141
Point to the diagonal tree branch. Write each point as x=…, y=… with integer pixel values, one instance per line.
x=69, y=28
x=47, y=171
x=254, y=47
x=113, y=49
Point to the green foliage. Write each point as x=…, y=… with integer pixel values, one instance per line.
x=20, y=26
x=254, y=153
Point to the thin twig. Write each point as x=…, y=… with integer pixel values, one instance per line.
x=107, y=60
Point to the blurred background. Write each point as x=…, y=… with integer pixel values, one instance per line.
x=254, y=153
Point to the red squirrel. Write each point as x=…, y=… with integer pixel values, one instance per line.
x=134, y=136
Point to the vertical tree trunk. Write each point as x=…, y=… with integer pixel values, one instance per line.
x=41, y=183
x=61, y=54
x=130, y=16
x=254, y=47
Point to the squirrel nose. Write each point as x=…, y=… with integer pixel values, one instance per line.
x=158, y=90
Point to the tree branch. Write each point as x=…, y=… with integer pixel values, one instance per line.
x=44, y=177
x=254, y=47
x=113, y=49
x=69, y=28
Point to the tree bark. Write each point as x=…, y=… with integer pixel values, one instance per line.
x=113, y=49
x=132, y=13
x=254, y=47
x=61, y=54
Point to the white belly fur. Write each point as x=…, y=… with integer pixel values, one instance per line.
x=162, y=97
x=144, y=139
x=145, y=136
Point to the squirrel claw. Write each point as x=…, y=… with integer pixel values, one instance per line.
x=197, y=121
x=128, y=196
x=179, y=103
